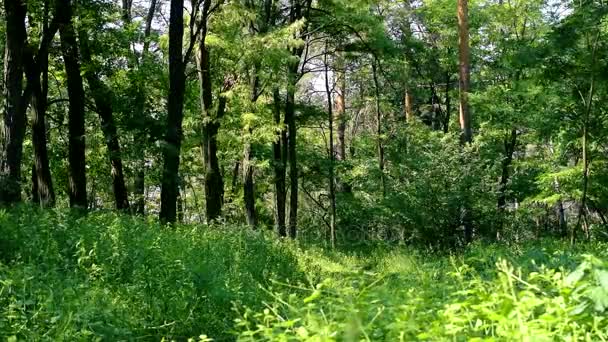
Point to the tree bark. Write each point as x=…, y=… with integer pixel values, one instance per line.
x=214, y=183
x=37, y=76
x=448, y=109
x=76, y=115
x=280, y=154
x=290, y=121
x=248, y=185
x=139, y=183
x=464, y=71
x=465, y=117
x=380, y=144
x=175, y=115
x=331, y=180
x=13, y=130
x=102, y=95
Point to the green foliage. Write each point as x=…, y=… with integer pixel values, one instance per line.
x=109, y=277
x=405, y=296
x=64, y=277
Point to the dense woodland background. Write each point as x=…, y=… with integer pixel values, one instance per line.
x=437, y=170
x=336, y=120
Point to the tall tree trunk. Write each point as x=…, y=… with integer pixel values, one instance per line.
x=76, y=118
x=290, y=121
x=448, y=109
x=464, y=70
x=37, y=69
x=102, y=95
x=380, y=144
x=280, y=153
x=175, y=115
x=331, y=180
x=45, y=196
x=13, y=130
x=214, y=184
x=139, y=183
x=465, y=117
x=343, y=186
x=248, y=185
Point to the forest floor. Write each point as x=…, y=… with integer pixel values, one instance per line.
x=108, y=277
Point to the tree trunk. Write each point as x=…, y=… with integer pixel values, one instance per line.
x=280, y=153
x=139, y=184
x=465, y=118
x=464, y=71
x=102, y=95
x=76, y=114
x=290, y=121
x=175, y=115
x=446, y=119
x=331, y=180
x=37, y=69
x=214, y=184
x=11, y=146
x=380, y=144
x=343, y=186
x=248, y=185
x=45, y=196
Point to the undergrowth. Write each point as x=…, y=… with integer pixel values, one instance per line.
x=108, y=277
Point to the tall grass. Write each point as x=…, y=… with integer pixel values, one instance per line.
x=110, y=277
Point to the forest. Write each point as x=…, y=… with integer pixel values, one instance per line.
x=304, y=170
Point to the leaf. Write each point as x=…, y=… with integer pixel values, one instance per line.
x=316, y=294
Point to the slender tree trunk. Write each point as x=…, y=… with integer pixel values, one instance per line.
x=465, y=118
x=102, y=95
x=380, y=144
x=37, y=69
x=280, y=153
x=331, y=180
x=13, y=130
x=248, y=185
x=214, y=183
x=175, y=115
x=139, y=182
x=446, y=119
x=45, y=196
x=588, y=104
x=248, y=166
x=464, y=71
x=290, y=120
x=180, y=205
x=76, y=118
x=343, y=186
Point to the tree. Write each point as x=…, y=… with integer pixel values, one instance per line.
x=465, y=116
x=103, y=97
x=38, y=79
x=76, y=117
x=175, y=106
x=13, y=129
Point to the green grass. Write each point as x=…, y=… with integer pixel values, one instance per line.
x=107, y=277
